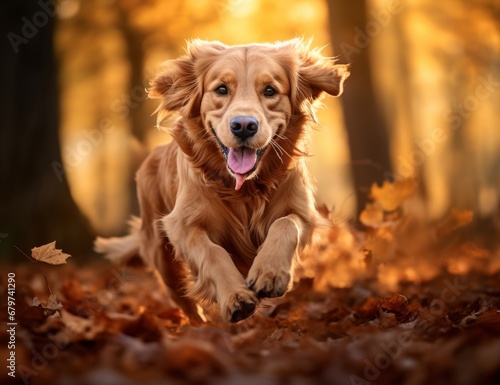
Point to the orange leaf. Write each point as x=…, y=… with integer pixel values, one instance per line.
x=396, y=304
x=454, y=220
x=391, y=195
x=49, y=254
x=372, y=215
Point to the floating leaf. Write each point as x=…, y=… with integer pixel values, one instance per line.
x=454, y=220
x=391, y=195
x=372, y=215
x=49, y=254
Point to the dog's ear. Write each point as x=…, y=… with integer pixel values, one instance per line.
x=176, y=85
x=317, y=74
x=320, y=73
x=323, y=75
x=178, y=82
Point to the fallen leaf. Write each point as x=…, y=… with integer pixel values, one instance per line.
x=390, y=196
x=475, y=251
x=49, y=254
x=79, y=327
x=368, y=310
x=454, y=220
x=372, y=215
x=53, y=303
x=396, y=304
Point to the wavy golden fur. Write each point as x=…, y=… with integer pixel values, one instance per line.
x=228, y=205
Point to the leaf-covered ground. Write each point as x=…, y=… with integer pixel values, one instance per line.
x=402, y=302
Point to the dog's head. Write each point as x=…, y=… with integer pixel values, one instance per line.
x=246, y=98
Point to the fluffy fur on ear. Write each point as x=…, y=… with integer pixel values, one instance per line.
x=315, y=74
x=178, y=83
x=177, y=87
x=321, y=74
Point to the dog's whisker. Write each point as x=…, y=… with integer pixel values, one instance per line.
x=283, y=138
x=279, y=150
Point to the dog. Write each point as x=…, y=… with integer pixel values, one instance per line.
x=228, y=205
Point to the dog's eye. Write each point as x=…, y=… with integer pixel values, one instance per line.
x=269, y=91
x=222, y=90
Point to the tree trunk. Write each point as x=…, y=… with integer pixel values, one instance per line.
x=140, y=120
x=367, y=132
x=36, y=206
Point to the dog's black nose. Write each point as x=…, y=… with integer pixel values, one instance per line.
x=244, y=127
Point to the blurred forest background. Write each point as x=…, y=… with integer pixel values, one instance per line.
x=422, y=101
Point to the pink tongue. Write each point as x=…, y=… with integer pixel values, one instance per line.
x=241, y=160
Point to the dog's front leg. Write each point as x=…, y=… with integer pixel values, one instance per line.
x=216, y=276
x=272, y=270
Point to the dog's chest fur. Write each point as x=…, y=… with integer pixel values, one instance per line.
x=245, y=226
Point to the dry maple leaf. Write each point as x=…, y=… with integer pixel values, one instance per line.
x=52, y=303
x=49, y=254
x=391, y=195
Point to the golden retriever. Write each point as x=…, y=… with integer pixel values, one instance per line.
x=228, y=205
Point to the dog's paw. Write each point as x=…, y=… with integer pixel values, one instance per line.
x=268, y=281
x=239, y=305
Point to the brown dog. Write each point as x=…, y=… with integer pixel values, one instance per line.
x=228, y=205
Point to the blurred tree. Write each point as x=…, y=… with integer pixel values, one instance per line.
x=36, y=206
x=367, y=131
x=470, y=69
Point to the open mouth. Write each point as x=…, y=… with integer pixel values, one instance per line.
x=241, y=161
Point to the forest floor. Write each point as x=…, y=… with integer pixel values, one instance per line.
x=401, y=302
